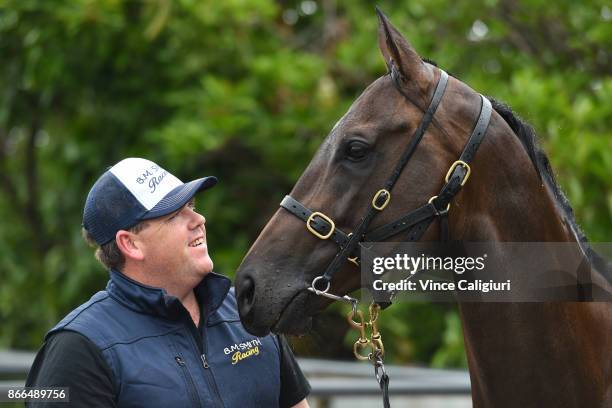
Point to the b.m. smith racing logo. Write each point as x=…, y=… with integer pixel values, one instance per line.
x=240, y=351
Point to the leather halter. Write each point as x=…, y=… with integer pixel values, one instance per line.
x=415, y=222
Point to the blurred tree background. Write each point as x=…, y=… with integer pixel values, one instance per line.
x=246, y=90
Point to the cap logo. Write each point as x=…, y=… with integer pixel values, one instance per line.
x=154, y=179
x=148, y=182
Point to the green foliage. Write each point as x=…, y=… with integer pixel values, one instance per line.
x=246, y=90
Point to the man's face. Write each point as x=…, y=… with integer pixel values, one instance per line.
x=174, y=247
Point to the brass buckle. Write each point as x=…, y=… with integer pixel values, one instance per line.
x=317, y=233
x=383, y=205
x=439, y=212
x=452, y=168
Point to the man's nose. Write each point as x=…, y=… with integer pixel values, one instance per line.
x=197, y=219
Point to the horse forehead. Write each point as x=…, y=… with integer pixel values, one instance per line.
x=377, y=98
x=381, y=91
x=340, y=121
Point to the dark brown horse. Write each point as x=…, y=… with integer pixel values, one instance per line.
x=520, y=354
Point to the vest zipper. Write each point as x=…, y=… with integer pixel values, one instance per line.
x=191, y=388
x=199, y=341
x=205, y=364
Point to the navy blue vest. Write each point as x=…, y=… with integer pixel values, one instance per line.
x=160, y=359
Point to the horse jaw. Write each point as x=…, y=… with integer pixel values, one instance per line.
x=271, y=290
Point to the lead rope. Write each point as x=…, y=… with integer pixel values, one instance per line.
x=374, y=342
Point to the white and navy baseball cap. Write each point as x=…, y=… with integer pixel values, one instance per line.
x=134, y=190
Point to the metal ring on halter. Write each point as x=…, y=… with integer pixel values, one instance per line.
x=345, y=298
x=439, y=212
x=331, y=296
x=314, y=284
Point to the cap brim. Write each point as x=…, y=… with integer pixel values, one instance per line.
x=179, y=196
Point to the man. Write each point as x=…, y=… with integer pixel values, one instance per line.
x=166, y=331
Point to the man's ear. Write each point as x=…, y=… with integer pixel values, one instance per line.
x=128, y=246
x=400, y=56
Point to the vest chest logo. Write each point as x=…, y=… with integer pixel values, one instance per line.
x=244, y=350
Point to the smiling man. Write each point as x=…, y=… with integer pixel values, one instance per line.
x=166, y=330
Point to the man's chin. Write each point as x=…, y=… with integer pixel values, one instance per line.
x=205, y=267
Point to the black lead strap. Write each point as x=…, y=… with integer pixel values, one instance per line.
x=384, y=387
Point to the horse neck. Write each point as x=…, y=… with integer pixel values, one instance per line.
x=543, y=354
x=505, y=199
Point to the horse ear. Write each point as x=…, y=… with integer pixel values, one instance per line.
x=399, y=54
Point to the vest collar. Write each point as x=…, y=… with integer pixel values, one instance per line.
x=210, y=293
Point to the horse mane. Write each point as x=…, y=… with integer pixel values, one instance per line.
x=527, y=136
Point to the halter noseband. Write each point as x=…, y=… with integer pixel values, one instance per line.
x=416, y=221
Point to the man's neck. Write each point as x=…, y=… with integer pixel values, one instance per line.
x=190, y=302
x=185, y=296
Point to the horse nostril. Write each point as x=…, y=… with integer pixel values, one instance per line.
x=246, y=295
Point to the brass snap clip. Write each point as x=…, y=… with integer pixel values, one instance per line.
x=378, y=348
x=362, y=342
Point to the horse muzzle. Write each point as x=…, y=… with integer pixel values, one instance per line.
x=269, y=306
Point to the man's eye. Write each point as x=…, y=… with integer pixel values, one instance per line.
x=173, y=216
x=357, y=150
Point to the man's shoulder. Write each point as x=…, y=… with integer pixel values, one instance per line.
x=105, y=322
x=64, y=342
x=81, y=314
x=68, y=359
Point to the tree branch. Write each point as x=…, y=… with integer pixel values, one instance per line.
x=28, y=207
x=32, y=208
x=5, y=181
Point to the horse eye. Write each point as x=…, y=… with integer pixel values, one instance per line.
x=356, y=150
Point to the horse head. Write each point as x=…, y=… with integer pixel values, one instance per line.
x=394, y=154
x=346, y=178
